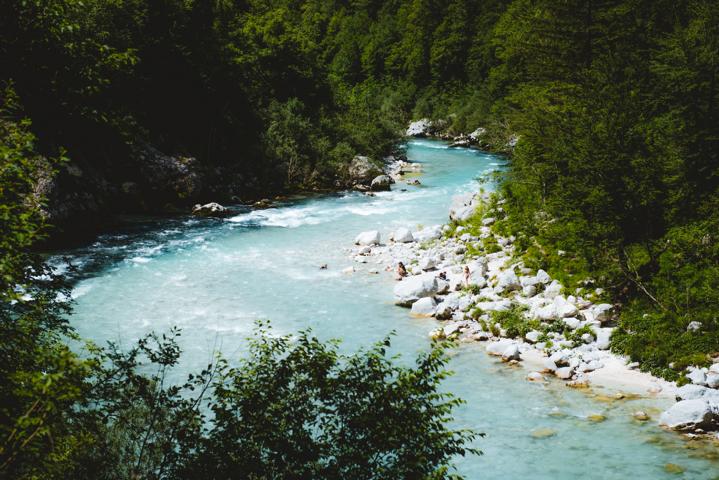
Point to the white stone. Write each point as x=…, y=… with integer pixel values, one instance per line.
x=694, y=326
x=533, y=336
x=511, y=353
x=693, y=392
x=427, y=263
x=411, y=289
x=712, y=380
x=368, y=238
x=604, y=336
x=424, y=307
x=508, y=281
x=498, y=348
x=565, y=373
x=349, y=270
x=572, y=322
x=535, y=377
x=552, y=290
x=529, y=291
x=402, y=235
x=697, y=377
x=418, y=128
x=689, y=415
x=543, y=277
x=428, y=233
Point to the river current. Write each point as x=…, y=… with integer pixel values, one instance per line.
x=215, y=278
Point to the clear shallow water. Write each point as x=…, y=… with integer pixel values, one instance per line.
x=214, y=278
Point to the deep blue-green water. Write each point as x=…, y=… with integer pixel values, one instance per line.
x=214, y=278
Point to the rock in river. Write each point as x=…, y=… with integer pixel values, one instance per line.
x=412, y=288
x=209, y=210
x=381, y=183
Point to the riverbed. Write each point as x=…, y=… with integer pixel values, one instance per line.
x=215, y=278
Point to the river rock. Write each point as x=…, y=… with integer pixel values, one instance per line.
x=212, y=209
x=402, y=235
x=411, y=289
x=419, y=128
x=694, y=392
x=535, y=377
x=371, y=237
x=498, y=348
x=424, y=307
x=381, y=183
x=511, y=353
x=694, y=326
x=565, y=373
x=712, y=380
x=362, y=170
x=689, y=415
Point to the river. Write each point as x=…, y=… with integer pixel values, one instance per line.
x=214, y=278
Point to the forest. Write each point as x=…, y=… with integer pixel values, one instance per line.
x=614, y=181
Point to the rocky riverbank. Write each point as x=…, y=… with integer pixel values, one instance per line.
x=520, y=315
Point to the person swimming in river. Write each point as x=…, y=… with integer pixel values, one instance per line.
x=401, y=271
x=467, y=275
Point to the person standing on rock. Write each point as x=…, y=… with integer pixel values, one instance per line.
x=401, y=271
x=467, y=275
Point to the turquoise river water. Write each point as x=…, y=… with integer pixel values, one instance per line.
x=214, y=278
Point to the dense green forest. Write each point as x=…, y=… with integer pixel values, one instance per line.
x=614, y=103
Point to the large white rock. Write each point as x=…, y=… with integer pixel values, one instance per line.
x=543, y=277
x=368, y=238
x=602, y=312
x=552, y=290
x=402, y=235
x=427, y=263
x=511, y=353
x=564, y=308
x=533, y=336
x=548, y=312
x=212, y=209
x=498, y=348
x=604, y=336
x=462, y=207
x=693, y=392
x=424, y=307
x=411, y=289
x=508, y=281
x=712, y=380
x=697, y=376
x=428, y=233
x=381, y=183
x=689, y=415
x=419, y=128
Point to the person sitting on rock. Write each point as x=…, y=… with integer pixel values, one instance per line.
x=443, y=276
x=467, y=275
x=401, y=271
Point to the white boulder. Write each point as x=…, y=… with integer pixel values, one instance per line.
x=411, y=289
x=368, y=238
x=402, y=235
x=689, y=415
x=424, y=307
x=419, y=128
